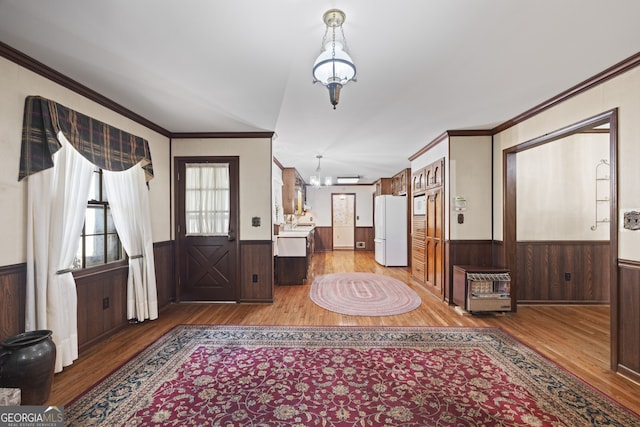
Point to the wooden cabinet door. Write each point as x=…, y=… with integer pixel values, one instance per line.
x=434, y=240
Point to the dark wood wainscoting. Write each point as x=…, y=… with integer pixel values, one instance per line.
x=464, y=252
x=629, y=319
x=563, y=272
x=163, y=255
x=101, y=296
x=13, y=279
x=102, y=304
x=366, y=235
x=323, y=239
x=256, y=271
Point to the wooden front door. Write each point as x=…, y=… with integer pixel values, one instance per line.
x=207, y=228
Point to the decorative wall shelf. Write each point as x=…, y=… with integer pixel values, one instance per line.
x=602, y=194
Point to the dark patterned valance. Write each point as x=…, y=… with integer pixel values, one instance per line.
x=104, y=146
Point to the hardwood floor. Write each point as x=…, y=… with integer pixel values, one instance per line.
x=575, y=337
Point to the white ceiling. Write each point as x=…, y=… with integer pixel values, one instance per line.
x=424, y=66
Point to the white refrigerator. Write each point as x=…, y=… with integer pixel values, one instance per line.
x=390, y=223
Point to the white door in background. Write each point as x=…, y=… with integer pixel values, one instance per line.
x=343, y=213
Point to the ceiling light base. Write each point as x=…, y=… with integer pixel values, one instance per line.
x=333, y=18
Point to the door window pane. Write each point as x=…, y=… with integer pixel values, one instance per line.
x=207, y=199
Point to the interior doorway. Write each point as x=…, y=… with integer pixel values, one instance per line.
x=343, y=221
x=520, y=252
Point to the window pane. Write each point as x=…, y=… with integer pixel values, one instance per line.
x=94, y=232
x=114, y=252
x=77, y=261
x=111, y=228
x=94, y=222
x=94, y=250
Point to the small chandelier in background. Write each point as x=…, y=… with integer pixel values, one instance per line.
x=316, y=180
x=334, y=67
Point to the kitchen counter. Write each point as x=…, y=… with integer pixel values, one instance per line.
x=294, y=248
x=293, y=242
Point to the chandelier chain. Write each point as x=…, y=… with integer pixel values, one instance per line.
x=344, y=39
x=324, y=38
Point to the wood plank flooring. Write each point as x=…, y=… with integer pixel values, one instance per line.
x=575, y=337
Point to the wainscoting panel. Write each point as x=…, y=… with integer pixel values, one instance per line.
x=102, y=304
x=165, y=275
x=629, y=319
x=101, y=296
x=256, y=271
x=366, y=235
x=324, y=239
x=563, y=272
x=13, y=279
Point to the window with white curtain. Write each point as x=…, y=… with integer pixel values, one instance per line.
x=207, y=199
x=99, y=241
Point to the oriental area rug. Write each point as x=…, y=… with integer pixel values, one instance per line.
x=363, y=294
x=342, y=376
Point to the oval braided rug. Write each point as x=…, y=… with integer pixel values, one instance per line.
x=363, y=294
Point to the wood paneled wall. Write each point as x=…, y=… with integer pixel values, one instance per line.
x=102, y=304
x=94, y=321
x=366, y=235
x=542, y=267
x=629, y=315
x=256, y=261
x=13, y=279
x=163, y=253
x=324, y=239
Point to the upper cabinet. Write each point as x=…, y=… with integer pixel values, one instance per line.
x=400, y=183
x=428, y=177
x=293, y=192
x=419, y=181
x=383, y=186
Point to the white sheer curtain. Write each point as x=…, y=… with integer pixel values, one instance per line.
x=57, y=201
x=129, y=202
x=207, y=199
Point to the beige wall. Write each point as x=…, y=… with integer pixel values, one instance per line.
x=16, y=83
x=320, y=200
x=255, y=176
x=556, y=189
x=470, y=177
x=623, y=93
x=467, y=174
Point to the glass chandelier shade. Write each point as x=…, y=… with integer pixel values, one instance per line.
x=334, y=67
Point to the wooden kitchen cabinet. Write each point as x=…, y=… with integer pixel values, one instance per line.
x=294, y=258
x=400, y=182
x=293, y=192
x=419, y=181
x=383, y=186
x=427, y=187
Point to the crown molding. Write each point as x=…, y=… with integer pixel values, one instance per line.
x=49, y=73
x=611, y=72
x=204, y=135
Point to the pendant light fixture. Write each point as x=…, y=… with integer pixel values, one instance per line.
x=334, y=67
x=316, y=180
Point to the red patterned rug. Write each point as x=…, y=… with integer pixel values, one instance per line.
x=349, y=376
x=363, y=294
